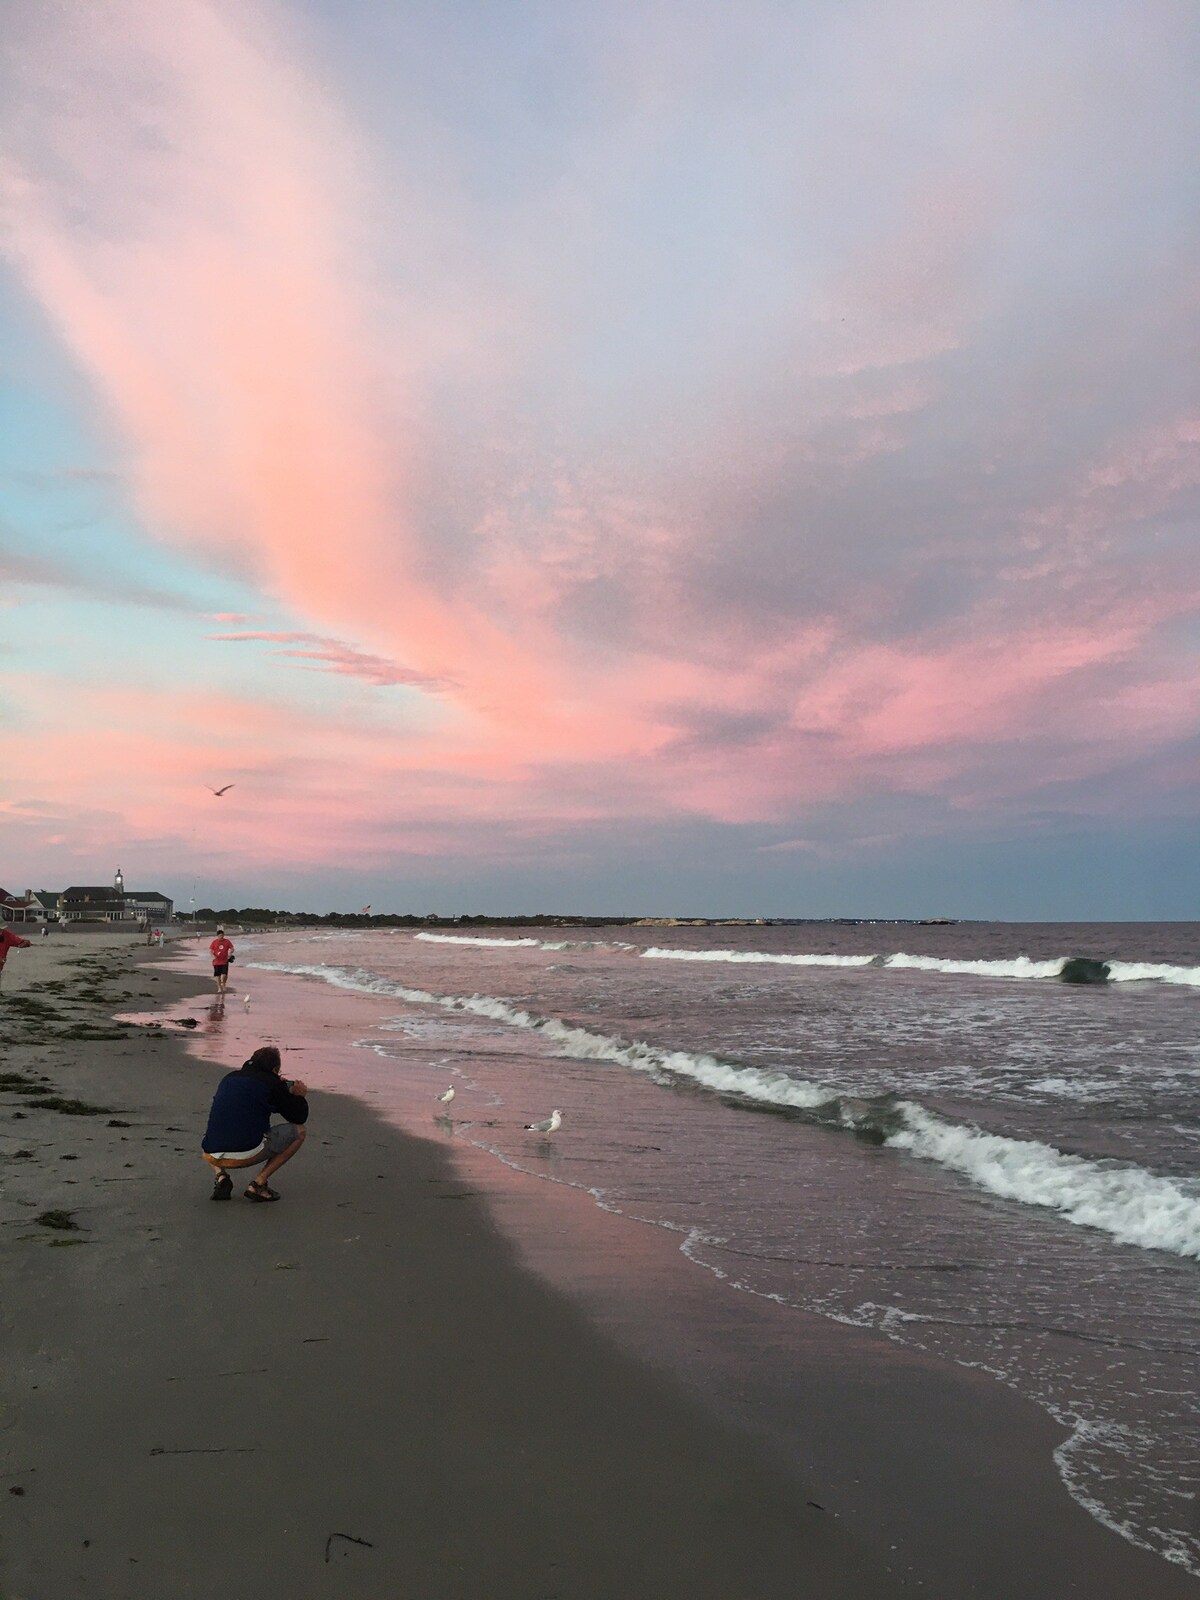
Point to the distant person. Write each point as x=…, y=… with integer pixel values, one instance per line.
x=45, y=930
x=222, y=955
x=239, y=1132
x=10, y=941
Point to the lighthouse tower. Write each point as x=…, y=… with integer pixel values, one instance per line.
x=119, y=882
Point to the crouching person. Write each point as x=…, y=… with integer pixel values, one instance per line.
x=240, y=1133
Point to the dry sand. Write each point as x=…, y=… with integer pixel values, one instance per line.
x=56, y=956
x=364, y=1391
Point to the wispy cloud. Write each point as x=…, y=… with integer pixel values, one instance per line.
x=332, y=655
x=777, y=415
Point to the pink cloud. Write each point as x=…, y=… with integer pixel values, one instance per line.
x=334, y=656
x=221, y=322
x=691, y=603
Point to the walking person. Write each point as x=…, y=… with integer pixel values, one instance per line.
x=221, y=950
x=240, y=1132
x=10, y=941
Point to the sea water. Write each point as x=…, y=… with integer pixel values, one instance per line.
x=920, y=1130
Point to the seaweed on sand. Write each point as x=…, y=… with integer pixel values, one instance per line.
x=84, y=1030
x=30, y=1006
x=18, y=1083
x=64, y=1220
x=69, y=1108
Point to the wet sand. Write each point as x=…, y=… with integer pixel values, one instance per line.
x=369, y=1389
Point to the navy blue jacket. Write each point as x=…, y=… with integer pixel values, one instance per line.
x=242, y=1107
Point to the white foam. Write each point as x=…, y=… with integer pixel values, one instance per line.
x=1134, y=1206
x=1011, y=967
x=1153, y=972
x=761, y=957
x=1016, y=967
x=1066, y=1088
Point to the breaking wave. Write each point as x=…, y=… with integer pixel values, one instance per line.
x=1132, y=1205
x=655, y=953
x=1018, y=967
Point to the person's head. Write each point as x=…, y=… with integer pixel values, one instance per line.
x=265, y=1059
x=220, y=931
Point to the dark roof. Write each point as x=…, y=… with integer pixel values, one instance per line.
x=147, y=894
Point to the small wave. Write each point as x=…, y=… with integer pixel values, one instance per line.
x=528, y=942
x=1011, y=967
x=1073, y=968
x=1152, y=972
x=757, y=956
x=1132, y=1205
x=1016, y=967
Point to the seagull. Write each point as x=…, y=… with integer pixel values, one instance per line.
x=218, y=792
x=445, y=1099
x=552, y=1122
x=246, y=1001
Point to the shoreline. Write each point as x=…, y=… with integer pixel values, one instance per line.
x=500, y=1397
x=196, y=1394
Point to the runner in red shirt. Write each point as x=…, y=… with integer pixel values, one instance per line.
x=10, y=941
x=222, y=955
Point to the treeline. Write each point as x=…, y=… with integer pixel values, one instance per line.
x=263, y=916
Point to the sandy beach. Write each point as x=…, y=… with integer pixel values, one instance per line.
x=390, y=1384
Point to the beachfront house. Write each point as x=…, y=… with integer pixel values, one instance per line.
x=94, y=903
x=149, y=906
x=48, y=900
x=20, y=908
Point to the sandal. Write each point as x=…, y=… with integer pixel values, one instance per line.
x=222, y=1188
x=260, y=1191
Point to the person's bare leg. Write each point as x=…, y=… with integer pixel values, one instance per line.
x=281, y=1159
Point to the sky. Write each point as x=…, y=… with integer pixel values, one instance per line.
x=603, y=456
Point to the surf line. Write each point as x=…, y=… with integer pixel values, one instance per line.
x=1132, y=1205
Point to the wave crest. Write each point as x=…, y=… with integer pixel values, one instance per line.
x=1132, y=1205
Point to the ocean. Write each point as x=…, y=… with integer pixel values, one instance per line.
x=922, y=1131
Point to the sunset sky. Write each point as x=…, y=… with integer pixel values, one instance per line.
x=605, y=457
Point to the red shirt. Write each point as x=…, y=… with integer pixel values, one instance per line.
x=10, y=941
x=222, y=949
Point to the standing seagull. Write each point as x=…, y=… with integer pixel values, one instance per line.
x=445, y=1099
x=246, y=1001
x=219, y=792
x=552, y=1123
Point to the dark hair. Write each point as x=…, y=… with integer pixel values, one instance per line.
x=265, y=1059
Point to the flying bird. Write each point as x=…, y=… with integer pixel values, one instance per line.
x=219, y=792
x=551, y=1124
x=445, y=1099
x=365, y=912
